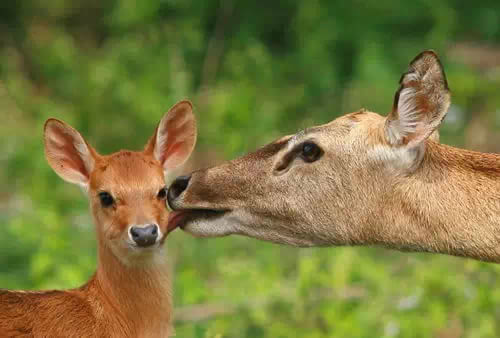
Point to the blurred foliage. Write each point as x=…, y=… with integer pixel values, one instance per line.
x=254, y=70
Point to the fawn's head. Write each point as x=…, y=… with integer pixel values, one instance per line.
x=325, y=184
x=126, y=189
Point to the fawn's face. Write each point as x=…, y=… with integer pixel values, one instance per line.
x=127, y=197
x=126, y=189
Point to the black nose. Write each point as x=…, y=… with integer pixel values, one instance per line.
x=178, y=186
x=144, y=236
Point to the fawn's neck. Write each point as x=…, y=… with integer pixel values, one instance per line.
x=139, y=294
x=451, y=205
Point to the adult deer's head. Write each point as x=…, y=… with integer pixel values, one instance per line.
x=325, y=185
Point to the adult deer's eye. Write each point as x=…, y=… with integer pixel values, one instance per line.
x=310, y=152
x=106, y=199
x=162, y=193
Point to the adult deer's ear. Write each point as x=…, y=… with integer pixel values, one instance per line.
x=175, y=136
x=421, y=102
x=68, y=153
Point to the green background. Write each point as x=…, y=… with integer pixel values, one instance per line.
x=254, y=71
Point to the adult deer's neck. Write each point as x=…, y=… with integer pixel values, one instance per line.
x=450, y=205
x=138, y=293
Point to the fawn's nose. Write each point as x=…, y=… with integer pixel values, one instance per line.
x=178, y=186
x=144, y=236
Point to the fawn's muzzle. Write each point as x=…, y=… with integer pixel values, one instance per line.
x=144, y=236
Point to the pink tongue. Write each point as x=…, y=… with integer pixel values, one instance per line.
x=174, y=219
x=172, y=215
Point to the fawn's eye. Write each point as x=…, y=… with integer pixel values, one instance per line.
x=310, y=152
x=106, y=199
x=162, y=193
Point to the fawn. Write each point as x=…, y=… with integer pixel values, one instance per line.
x=129, y=294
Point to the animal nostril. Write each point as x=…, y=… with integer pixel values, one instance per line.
x=134, y=232
x=177, y=188
x=154, y=232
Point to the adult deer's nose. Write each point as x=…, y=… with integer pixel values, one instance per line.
x=178, y=186
x=144, y=236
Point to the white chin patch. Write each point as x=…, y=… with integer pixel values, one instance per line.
x=210, y=228
x=230, y=225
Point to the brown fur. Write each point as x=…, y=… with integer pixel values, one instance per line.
x=381, y=181
x=123, y=299
x=129, y=295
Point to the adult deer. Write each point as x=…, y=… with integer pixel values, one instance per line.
x=362, y=179
x=129, y=295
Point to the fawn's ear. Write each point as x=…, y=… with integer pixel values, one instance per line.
x=421, y=102
x=68, y=153
x=175, y=136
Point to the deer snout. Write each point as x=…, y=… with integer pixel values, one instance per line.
x=144, y=236
x=177, y=188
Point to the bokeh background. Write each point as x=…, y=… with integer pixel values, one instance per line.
x=254, y=71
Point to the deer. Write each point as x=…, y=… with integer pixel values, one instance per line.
x=361, y=179
x=129, y=295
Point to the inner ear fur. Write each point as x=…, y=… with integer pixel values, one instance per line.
x=420, y=103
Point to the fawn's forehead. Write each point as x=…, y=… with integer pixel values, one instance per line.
x=128, y=170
